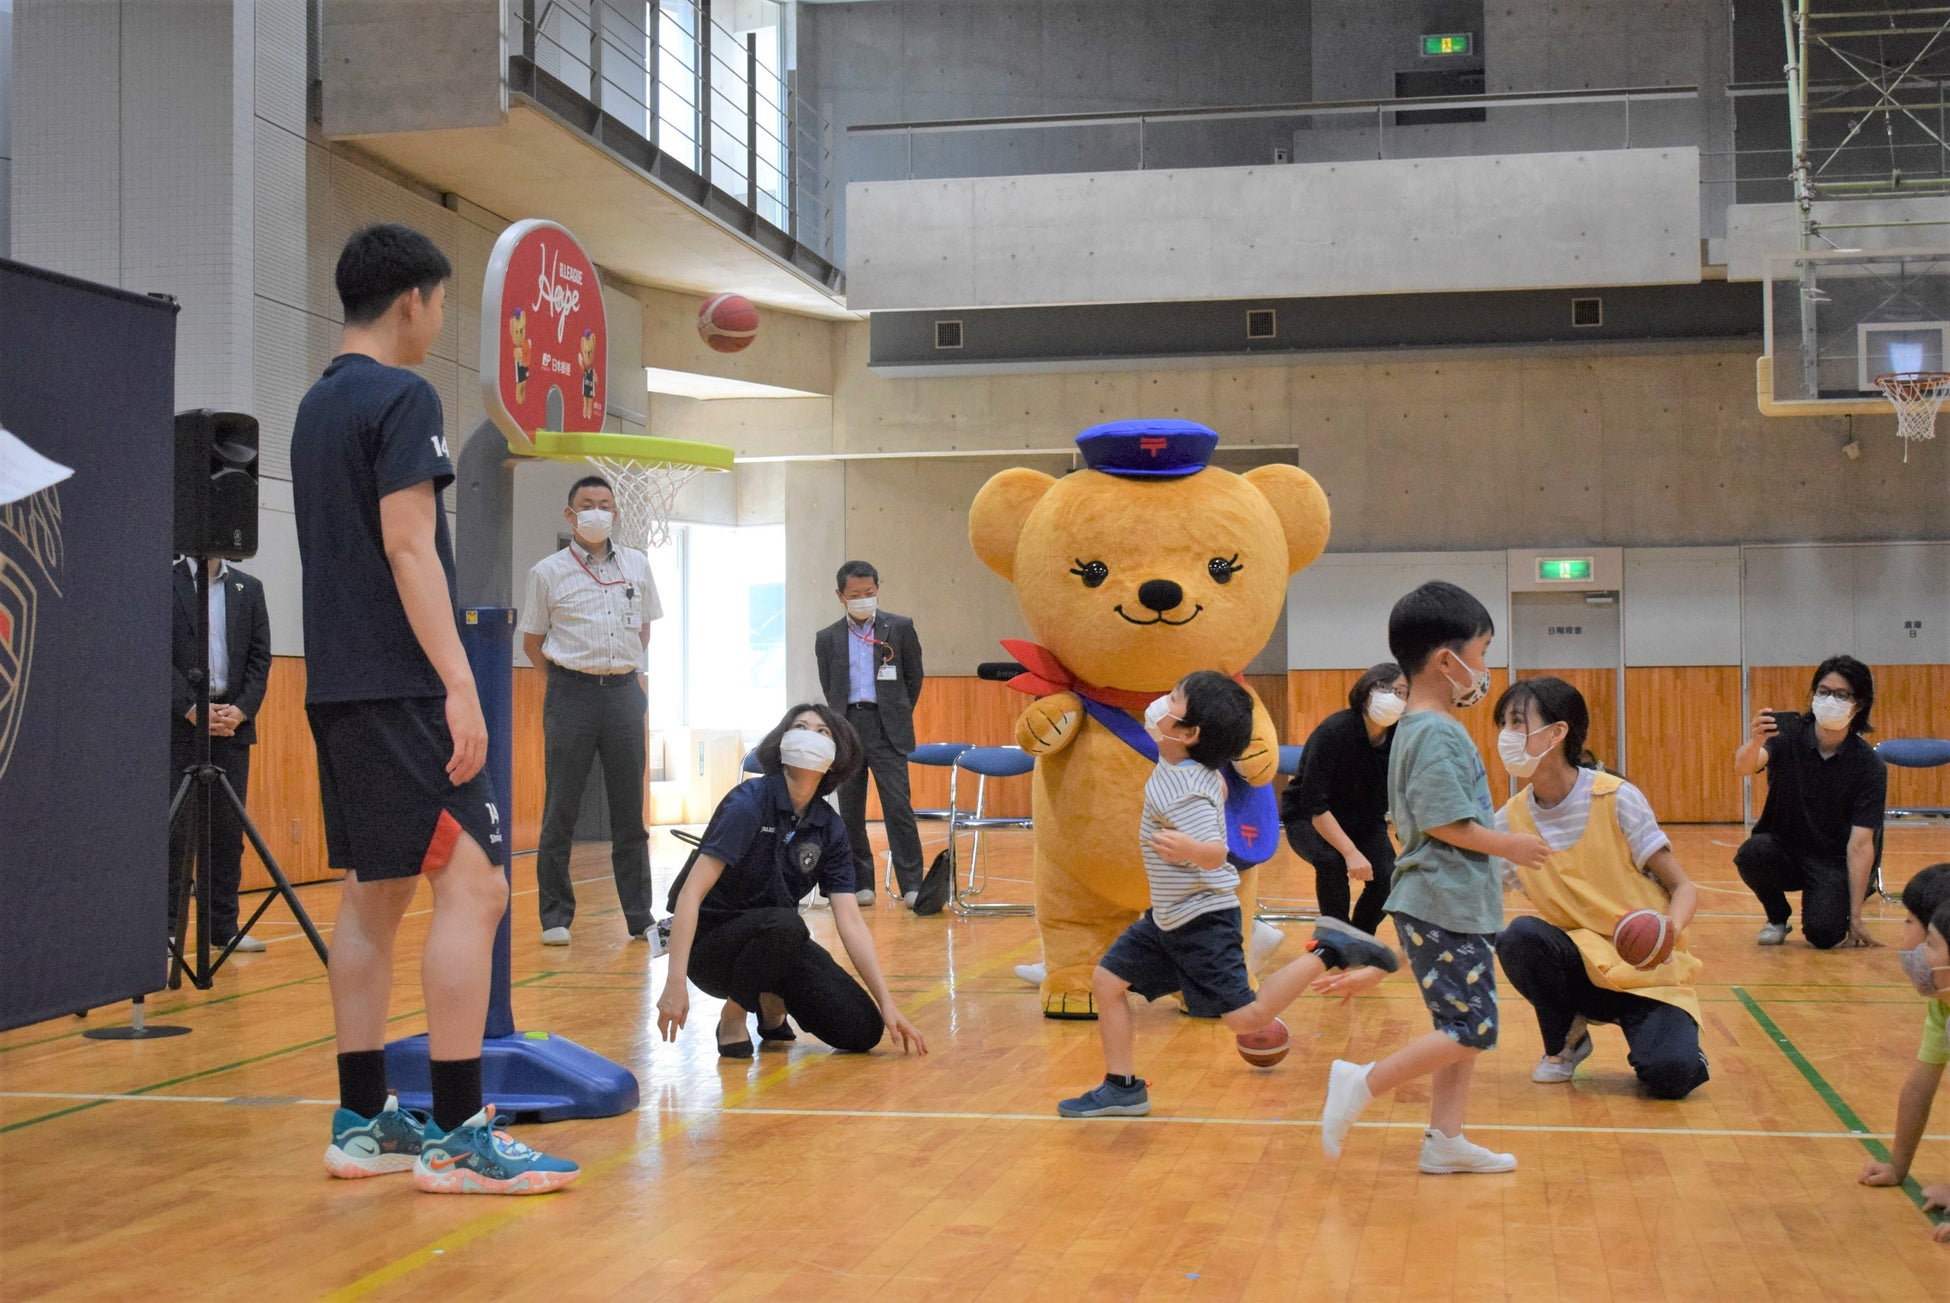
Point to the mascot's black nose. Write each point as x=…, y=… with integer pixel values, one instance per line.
x=1160, y=595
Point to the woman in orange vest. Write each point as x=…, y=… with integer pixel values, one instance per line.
x=1608, y=858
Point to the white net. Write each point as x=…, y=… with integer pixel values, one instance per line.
x=1916, y=396
x=645, y=492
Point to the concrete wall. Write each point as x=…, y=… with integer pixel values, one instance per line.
x=413, y=67
x=1519, y=221
x=6, y=126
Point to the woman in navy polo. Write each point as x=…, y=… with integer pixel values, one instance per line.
x=735, y=928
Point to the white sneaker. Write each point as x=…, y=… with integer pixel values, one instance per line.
x=1266, y=939
x=658, y=935
x=1032, y=973
x=1548, y=1073
x=1773, y=934
x=555, y=936
x=1347, y=1095
x=248, y=945
x=1442, y=1155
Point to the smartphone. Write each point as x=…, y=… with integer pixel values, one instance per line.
x=1786, y=721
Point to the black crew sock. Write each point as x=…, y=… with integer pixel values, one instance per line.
x=456, y=1091
x=362, y=1082
x=1328, y=953
x=1125, y=1083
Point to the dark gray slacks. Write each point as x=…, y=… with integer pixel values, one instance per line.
x=888, y=765
x=581, y=720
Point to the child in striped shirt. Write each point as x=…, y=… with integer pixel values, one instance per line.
x=1190, y=940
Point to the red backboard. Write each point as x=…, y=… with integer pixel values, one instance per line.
x=543, y=332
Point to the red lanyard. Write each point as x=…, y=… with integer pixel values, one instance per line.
x=605, y=583
x=887, y=652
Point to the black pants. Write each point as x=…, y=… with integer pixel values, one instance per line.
x=1772, y=867
x=226, y=830
x=1547, y=969
x=1331, y=885
x=888, y=764
x=581, y=720
x=769, y=952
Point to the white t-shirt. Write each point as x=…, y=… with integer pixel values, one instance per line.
x=1561, y=825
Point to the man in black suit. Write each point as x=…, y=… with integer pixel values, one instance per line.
x=870, y=667
x=240, y=670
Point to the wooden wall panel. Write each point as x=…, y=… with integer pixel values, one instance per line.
x=1600, y=690
x=1911, y=701
x=1682, y=724
x=962, y=708
x=283, y=795
x=530, y=776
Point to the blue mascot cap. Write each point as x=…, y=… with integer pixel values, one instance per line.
x=1148, y=449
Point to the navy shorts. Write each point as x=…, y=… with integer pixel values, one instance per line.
x=1204, y=960
x=390, y=809
x=1456, y=972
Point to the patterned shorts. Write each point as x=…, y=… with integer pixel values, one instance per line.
x=1456, y=972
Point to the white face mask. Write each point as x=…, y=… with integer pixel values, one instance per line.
x=1830, y=713
x=593, y=524
x=1479, y=686
x=1156, y=714
x=1512, y=749
x=862, y=608
x=801, y=748
x=1384, y=708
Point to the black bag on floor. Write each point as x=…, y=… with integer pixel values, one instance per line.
x=937, y=885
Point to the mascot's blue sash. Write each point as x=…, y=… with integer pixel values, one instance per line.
x=1252, y=815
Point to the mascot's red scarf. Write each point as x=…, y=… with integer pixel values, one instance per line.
x=1043, y=676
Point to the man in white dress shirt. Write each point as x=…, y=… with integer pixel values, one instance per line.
x=587, y=620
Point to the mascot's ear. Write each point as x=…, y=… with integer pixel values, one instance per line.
x=996, y=517
x=1301, y=505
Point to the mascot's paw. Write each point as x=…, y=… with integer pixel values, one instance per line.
x=1076, y=1006
x=1049, y=724
x=1259, y=763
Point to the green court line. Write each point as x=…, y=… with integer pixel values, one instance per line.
x=1836, y=1104
x=171, y=1011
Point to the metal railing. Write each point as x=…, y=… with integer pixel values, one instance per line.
x=698, y=93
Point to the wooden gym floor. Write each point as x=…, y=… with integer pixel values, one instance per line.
x=189, y=1167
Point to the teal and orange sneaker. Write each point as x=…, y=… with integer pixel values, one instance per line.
x=474, y=1158
x=375, y=1146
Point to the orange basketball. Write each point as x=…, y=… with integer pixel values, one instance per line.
x=1644, y=938
x=1265, y=1047
x=727, y=322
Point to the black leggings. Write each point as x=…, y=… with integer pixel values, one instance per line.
x=769, y=952
x=1331, y=886
x=1547, y=969
x=1772, y=867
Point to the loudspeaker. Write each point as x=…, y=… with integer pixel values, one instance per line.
x=216, y=484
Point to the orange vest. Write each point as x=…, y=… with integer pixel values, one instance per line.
x=1587, y=888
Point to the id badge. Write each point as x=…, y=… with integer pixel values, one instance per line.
x=886, y=672
x=632, y=620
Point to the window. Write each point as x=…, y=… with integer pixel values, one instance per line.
x=674, y=80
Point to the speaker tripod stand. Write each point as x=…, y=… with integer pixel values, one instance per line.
x=203, y=784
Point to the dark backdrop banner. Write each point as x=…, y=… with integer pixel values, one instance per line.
x=87, y=377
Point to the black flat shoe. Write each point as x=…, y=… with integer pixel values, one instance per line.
x=735, y=1049
x=780, y=1033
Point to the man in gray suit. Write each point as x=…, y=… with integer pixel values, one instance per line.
x=870, y=668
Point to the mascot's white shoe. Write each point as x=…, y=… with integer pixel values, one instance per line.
x=1032, y=973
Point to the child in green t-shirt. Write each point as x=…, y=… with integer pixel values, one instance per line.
x=1925, y=957
x=1447, y=901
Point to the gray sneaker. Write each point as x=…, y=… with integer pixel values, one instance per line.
x=864, y=896
x=1773, y=934
x=1549, y=1074
x=1342, y=945
x=1107, y=1100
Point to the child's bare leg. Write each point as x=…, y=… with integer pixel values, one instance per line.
x=1425, y=1055
x=1114, y=1022
x=1449, y=1094
x=1276, y=992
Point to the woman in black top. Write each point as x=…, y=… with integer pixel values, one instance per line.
x=735, y=926
x=1335, y=812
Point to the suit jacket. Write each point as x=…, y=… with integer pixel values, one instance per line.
x=248, y=638
x=896, y=696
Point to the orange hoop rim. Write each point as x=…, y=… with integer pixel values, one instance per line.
x=1911, y=385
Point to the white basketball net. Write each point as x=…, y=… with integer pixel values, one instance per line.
x=1915, y=395
x=645, y=492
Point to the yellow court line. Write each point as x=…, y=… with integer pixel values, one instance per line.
x=494, y=1221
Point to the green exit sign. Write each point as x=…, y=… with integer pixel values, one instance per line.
x=1563, y=570
x=1435, y=47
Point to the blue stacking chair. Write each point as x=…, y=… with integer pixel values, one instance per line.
x=1910, y=753
x=985, y=763
x=942, y=755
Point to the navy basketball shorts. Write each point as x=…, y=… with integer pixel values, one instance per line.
x=1202, y=959
x=1456, y=973
x=390, y=809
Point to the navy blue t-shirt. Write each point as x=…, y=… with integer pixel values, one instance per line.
x=771, y=857
x=364, y=431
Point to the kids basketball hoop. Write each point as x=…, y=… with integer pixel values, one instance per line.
x=1915, y=395
x=644, y=472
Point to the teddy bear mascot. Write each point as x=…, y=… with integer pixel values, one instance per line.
x=1131, y=574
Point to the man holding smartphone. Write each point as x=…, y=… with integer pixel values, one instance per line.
x=1818, y=831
